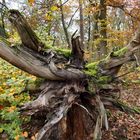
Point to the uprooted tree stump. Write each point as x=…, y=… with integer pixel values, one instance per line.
x=71, y=101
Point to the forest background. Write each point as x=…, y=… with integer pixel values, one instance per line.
x=102, y=25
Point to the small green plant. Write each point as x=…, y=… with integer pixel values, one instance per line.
x=12, y=83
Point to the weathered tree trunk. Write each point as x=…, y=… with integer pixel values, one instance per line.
x=66, y=103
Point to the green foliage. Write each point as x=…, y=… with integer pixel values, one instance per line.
x=13, y=125
x=12, y=82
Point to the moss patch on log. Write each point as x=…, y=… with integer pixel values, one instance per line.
x=91, y=69
x=120, y=52
x=63, y=51
x=97, y=80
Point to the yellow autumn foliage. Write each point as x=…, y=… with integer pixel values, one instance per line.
x=31, y=2
x=54, y=8
x=48, y=17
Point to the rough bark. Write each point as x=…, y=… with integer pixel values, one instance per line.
x=69, y=110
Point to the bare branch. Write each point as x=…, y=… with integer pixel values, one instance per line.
x=3, y=5
x=64, y=3
x=72, y=18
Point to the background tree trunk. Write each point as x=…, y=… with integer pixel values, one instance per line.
x=103, y=29
x=81, y=23
x=99, y=33
x=64, y=25
x=2, y=25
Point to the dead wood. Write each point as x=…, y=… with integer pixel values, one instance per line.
x=27, y=57
x=27, y=35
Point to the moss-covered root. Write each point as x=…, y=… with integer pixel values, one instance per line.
x=120, y=52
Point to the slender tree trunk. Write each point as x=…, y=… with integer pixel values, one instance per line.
x=89, y=31
x=95, y=35
x=64, y=25
x=102, y=49
x=2, y=26
x=81, y=22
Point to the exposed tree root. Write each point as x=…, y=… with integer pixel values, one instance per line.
x=70, y=112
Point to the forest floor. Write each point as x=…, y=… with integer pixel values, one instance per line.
x=124, y=126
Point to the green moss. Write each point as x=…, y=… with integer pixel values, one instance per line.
x=62, y=51
x=91, y=69
x=135, y=81
x=137, y=110
x=103, y=79
x=92, y=65
x=120, y=52
x=90, y=72
x=96, y=78
x=138, y=69
x=65, y=52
